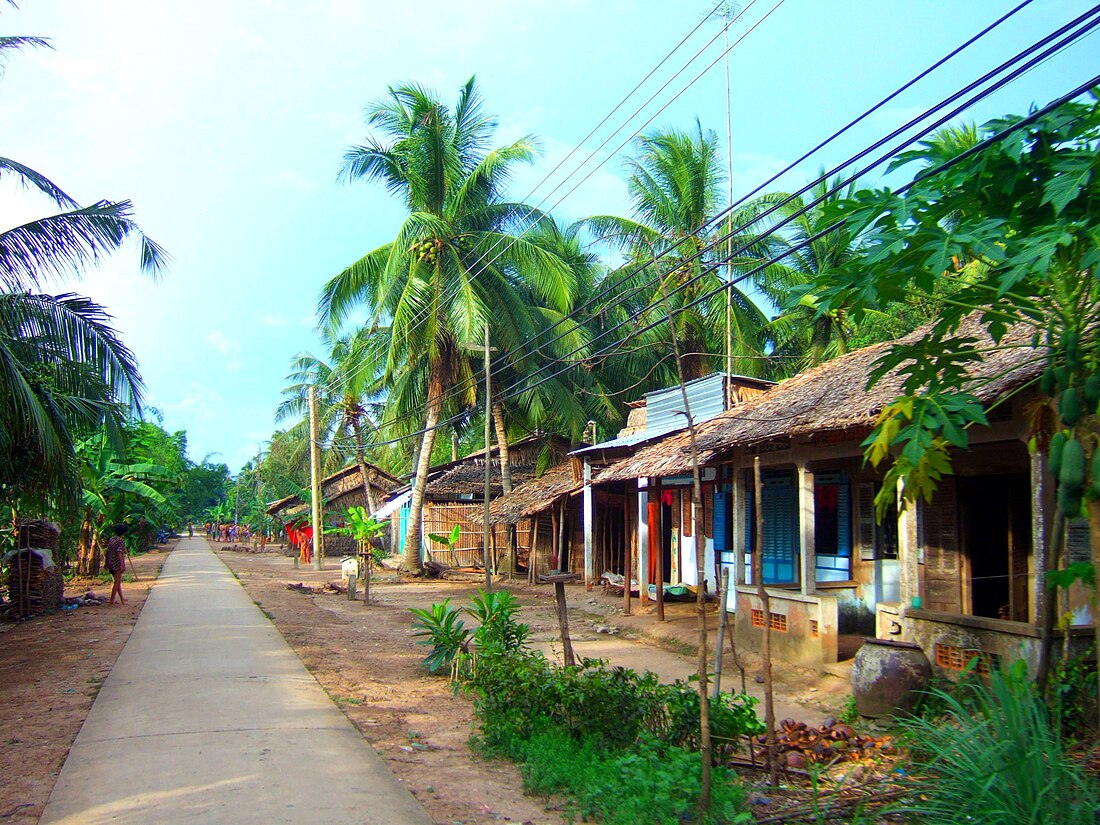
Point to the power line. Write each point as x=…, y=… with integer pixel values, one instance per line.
x=834, y=227
x=533, y=344
x=999, y=84
x=930, y=111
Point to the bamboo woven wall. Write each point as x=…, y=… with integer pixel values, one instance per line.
x=440, y=518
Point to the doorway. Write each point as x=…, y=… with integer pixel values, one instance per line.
x=997, y=541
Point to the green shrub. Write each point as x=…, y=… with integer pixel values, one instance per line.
x=997, y=758
x=732, y=717
x=498, y=630
x=443, y=629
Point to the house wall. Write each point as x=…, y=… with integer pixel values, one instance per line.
x=804, y=628
x=951, y=641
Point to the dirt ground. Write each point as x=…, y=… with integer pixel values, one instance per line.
x=369, y=662
x=367, y=659
x=51, y=668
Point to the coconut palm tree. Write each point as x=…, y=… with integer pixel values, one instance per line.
x=455, y=265
x=63, y=370
x=346, y=383
x=64, y=373
x=675, y=181
x=802, y=335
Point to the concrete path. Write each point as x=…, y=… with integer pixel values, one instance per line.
x=208, y=716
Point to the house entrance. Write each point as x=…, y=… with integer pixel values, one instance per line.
x=997, y=540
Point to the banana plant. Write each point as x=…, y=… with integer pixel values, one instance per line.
x=450, y=541
x=108, y=480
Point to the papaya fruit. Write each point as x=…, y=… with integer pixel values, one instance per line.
x=1054, y=453
x=1071, y=346
x=1072, y=473
x=1091, y=392
x=1069, y=406
x=1069, y=502
x=1061, y=379
x=1047, y=384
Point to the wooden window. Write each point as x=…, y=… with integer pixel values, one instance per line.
x=687, y=519
x=942, y=560
x=708, y=511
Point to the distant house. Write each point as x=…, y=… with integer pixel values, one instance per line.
x=339, y=491
x=956, y=575
x=550, y=511
x=455, y=495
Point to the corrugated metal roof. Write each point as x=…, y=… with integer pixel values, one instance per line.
x=665, y=411
x=665, y=408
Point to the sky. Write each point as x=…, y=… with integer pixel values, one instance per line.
x=225, y=123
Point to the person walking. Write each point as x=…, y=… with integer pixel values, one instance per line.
x=115, y=559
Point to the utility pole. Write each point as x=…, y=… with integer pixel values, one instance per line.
x=315, y=478
x=728, y=11
x=486, y=554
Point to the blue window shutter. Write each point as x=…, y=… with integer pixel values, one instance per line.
x=844, y=518
x=721, y=520
x=780, y=527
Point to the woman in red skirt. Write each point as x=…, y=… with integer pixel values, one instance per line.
x=115, y=560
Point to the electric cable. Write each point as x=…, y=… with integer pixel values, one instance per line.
x=835, y=135
x=1088, y=26
x=741, y=278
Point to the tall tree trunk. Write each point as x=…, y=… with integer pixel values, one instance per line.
x=88, y=557
x=766, y=607
x=1094, y=537
x=705, y=745
x=1052, y=562
x=360, y=459
x=433, y=411
x=502, y=443
x=506, y=483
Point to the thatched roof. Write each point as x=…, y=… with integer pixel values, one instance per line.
x=535, y=495
x=469, y=479
x=347, y=480
x=829, y=398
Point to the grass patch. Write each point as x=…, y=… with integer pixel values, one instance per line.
x=997, y=756
x=618, y=744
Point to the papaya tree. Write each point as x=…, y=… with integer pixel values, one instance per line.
x=1005, y=230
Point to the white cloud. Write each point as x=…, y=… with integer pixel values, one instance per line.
x=271, y=320
x=229, y=348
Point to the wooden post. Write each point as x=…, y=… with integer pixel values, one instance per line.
x=723, y=594
x=589, y=516
x=487, y=530
x=367, y=576
x=657, y=547
x=565, y=542
x=766, y=604
x=555, y=549
x=628, y=546
x=315, y=479
x=563, y=613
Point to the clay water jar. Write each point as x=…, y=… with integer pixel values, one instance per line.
x=888, y=677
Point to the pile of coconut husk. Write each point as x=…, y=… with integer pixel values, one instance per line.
x=800, y=745
x=328, y=589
